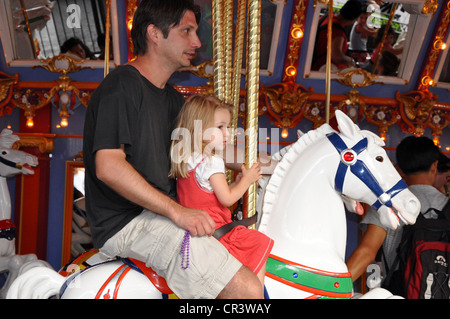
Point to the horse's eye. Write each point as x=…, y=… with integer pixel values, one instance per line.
x=4, y=152
x=379, y=158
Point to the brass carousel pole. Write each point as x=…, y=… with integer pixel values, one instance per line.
x=218, y=49
x=237, y=66
x=252, y=87
x=27, y=24
x=228, y=63
x=228, y=48
x=328, y=65
x=388, y=25
x=107, y=33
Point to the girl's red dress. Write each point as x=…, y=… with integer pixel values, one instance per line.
x=249, y=246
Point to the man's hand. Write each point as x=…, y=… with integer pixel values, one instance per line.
x=197, y=222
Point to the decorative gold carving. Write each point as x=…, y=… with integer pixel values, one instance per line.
x=416, y=110
x=62, y=64
x=285, y=103
x=351, y=104
x=6, y=89
x=44, y=142
x=316, y=113
x=439, y=119
x=430, y=6
x=30, y=100
x=357, y=78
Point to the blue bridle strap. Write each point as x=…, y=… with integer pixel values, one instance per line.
x=8, y=162
x=360, y=170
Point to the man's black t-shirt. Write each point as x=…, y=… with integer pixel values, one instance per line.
x=127, y=109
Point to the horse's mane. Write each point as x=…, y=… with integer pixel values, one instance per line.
x=286, y=156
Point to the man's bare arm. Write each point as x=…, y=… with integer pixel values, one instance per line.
x=113, y=170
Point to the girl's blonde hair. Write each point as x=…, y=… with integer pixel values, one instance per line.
x=196, y=115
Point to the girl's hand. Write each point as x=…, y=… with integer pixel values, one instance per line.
x=252, y=174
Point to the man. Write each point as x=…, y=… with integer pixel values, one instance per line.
x=418, y=159
x=348, y=14
x=130, y=199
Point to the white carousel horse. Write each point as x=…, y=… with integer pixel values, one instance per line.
x=303, y=212
x=12, y=162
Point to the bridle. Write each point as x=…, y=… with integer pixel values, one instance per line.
x=349, y=159
x=9, y=163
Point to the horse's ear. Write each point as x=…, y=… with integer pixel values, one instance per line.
x=7, y=138
x=345, y=124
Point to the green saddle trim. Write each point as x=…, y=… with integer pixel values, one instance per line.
x=319, y=282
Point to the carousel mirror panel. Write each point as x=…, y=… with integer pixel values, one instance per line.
x=397, y=27
x=36, y=30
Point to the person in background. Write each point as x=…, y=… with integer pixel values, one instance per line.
x=418, y=159
x=348, y=14
x=359, y=35
x=387, y=46
x=77, y=49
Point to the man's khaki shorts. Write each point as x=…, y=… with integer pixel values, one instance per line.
x=157, y=241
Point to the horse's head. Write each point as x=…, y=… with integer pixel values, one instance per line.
x=13, y=162
x=366, y=174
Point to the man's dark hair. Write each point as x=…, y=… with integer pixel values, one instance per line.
x=417, y=154
x=351, y=10
x=164, y=14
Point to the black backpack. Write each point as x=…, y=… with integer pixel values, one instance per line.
x=423, y=259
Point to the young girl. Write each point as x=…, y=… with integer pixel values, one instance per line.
x=201, y=180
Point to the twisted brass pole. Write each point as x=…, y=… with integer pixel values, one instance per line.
x=252, y=87
x=218, y=49
x=228, y=48
x=237, y=66
x=388, y=25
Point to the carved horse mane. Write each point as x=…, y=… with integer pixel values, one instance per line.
x=286, y=156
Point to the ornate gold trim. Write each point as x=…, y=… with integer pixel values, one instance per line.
x=357, y=78
x=62, y=64
x=45, y=142
x=285, y=103
x=415, y=108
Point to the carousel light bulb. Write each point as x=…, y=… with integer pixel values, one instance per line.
x=64, y=122
x=297, y=32
x=130, y=24
x=439, y=44
x=30, y=122
x=284, y=133
x=383, y=137
x=291, y=70
x=436, y=141
x=427, y=81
